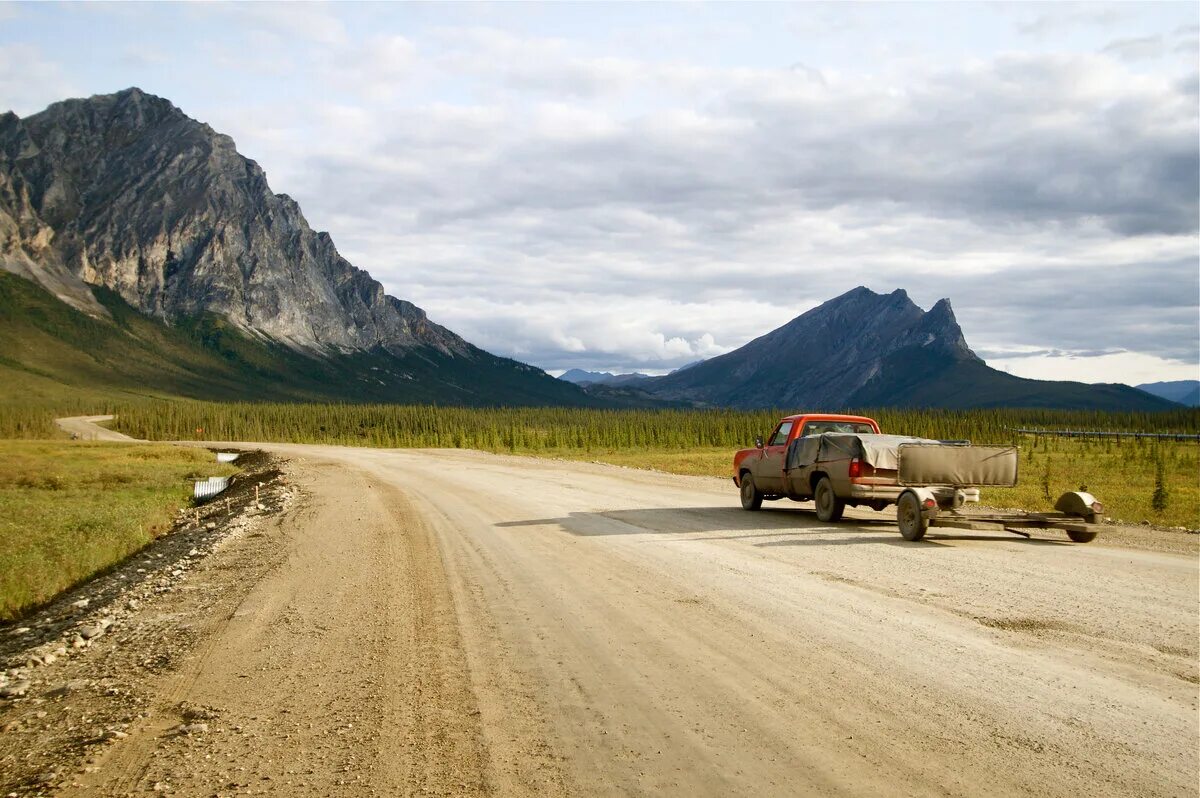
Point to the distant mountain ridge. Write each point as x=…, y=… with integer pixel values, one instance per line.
x=864, y=349
x=581, y=377
x=127, y=193
x=1185, y=392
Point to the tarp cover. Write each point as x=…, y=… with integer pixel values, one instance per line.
x=963, y=466
x=878, y=451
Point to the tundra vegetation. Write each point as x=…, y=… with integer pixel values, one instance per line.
x=73, y=508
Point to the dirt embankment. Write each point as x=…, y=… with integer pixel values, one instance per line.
x=458, y=623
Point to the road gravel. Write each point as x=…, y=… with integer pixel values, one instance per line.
x=460, y=623
x=88, y=428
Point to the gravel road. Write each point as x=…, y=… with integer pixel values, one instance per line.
x=88, y=428
x=459, y=623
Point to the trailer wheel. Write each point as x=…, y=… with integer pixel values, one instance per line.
x=1081, y=537
x=912, y=521
x=829, y=506
x=751, y=498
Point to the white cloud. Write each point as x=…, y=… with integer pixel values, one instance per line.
x=27, y=77
x=1055, y=18
x=1130, y=368
x=312, y=22
x=1137, y=48
x=777, y=195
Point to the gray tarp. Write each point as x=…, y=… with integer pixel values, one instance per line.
x=963, y=466
x=920, y=461
x=878, y=451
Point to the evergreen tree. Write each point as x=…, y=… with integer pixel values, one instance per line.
x=1160, y=498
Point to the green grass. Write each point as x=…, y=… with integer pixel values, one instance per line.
x=71, y=509
x=1121, y=476
x=50, y=351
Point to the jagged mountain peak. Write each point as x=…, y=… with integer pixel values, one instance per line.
x=113, y=117
x=865, y=349
x=163, y=210
x=939, y=329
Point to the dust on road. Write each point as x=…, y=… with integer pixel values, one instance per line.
x=449, y=622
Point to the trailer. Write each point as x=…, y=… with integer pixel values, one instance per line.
x=935, y=478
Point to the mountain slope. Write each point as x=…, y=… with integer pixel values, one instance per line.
x=581, y=377
x=46, y=345
x=1185, y=392
x=126, y=193
x=864, y=349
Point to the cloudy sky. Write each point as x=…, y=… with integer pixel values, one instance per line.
x=636, y=186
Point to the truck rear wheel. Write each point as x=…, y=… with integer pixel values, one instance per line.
x=829, y=506
x=911, y=520
x=1080, y=536
x=751, y=498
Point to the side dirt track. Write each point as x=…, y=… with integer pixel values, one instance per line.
x=456, y=623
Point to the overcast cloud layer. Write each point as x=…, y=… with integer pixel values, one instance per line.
x=635, y=187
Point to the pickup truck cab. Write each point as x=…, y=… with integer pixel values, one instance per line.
x=760, y=473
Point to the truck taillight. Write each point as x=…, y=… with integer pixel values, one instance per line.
x=855, y=468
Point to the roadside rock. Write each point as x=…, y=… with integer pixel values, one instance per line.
x=91, y=632
x=15, y=689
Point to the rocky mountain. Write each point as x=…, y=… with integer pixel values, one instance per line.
x=126, y=193
x=864, y=349
x=1184, y=392
x=582, y=377
x=688, y=365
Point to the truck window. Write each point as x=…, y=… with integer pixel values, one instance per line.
x=819, y=427
x=781, y=435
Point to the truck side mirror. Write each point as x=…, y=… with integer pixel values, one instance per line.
x=758, y=442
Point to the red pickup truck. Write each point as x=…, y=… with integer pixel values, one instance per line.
x=760, y=473
x=840, y=461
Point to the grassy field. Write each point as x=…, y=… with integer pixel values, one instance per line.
x=1122, y=475
x=70, y=509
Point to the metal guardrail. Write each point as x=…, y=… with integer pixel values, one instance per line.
x=1076, y=433
x=207, y=488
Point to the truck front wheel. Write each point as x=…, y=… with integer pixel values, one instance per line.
x=829, y=506
x=751, y=498
x=911, y=520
